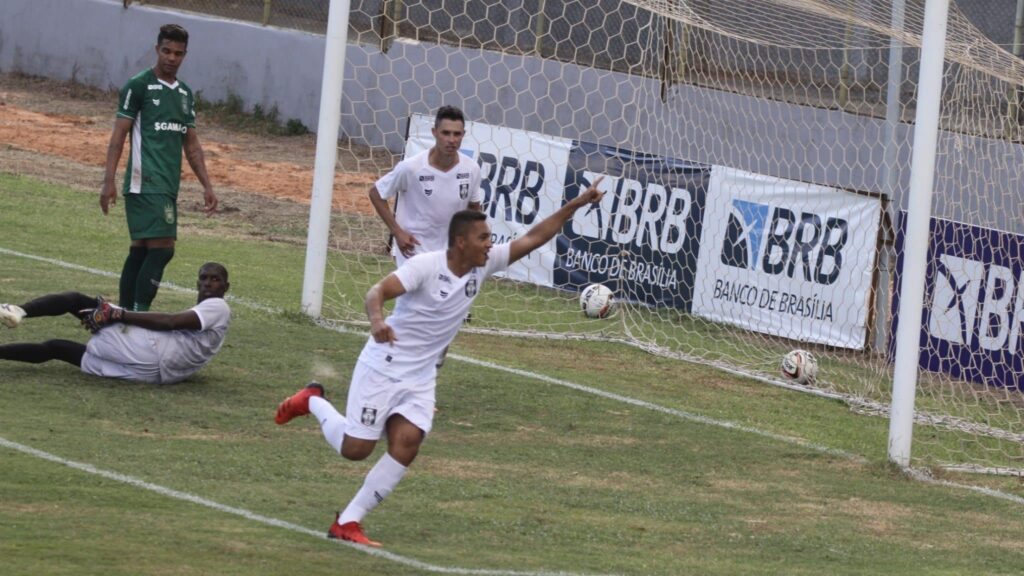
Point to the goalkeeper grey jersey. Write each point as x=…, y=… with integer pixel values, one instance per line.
x=184, y=352
x=158, y=357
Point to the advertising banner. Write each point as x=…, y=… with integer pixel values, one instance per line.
x=641, y=240
x=974, y=303
x=787, y=258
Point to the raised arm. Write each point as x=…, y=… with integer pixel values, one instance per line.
x=548, y=227
x=197, y=160
x=387, y=289
x=108, y=193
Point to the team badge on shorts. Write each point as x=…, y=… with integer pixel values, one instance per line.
x=369, y=416
x=169, y=213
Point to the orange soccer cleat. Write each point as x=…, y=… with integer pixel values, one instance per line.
x=298, y=403
x=351, y=532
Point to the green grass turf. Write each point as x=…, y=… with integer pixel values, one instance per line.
x=518, y=474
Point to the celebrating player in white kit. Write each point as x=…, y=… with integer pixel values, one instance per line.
x=151, y=347
x=393, y=384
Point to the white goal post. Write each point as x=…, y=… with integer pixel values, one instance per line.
x=915, y=264
x=328, y=125
x=767, y=164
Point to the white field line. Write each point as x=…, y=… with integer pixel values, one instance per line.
x=926, y=477
x=485, y=364
x=625, y=399
x=248, y=515
x=663, y=409
x=550, y=380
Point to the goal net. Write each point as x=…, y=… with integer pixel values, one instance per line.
x=756, y=156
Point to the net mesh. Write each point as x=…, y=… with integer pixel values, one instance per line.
x=776, y=103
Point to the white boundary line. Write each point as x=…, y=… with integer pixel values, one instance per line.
x=663, y=409
x=248, y=515
x=482, y=363
x=626, y=399
x=924, y=477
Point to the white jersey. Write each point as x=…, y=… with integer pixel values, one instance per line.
x=158, y=357
x=428, y=316
x=428, y=197
x=184, y=352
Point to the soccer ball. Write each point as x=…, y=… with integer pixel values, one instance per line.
x=597, y=301
x=800, y=366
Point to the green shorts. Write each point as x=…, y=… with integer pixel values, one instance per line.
x=151, y=215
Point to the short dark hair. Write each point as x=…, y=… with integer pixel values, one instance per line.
x=461, y=222
x=220, y=268
x=449, y=113
x=174, y=33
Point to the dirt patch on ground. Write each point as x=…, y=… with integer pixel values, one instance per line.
x=58, y=132
x=79, y=139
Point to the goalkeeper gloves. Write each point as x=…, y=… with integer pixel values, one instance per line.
x=94, y=319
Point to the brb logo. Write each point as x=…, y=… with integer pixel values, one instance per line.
x=647, y=216
x=974, y=301
x=776, y=240
x=511, y=187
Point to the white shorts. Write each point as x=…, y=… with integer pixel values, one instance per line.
x=124, y=352
x=374, y=397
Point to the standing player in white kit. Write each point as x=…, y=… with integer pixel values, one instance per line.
x=428, y=189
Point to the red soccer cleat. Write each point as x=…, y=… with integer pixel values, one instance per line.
x=298, y=403
x=351, y=532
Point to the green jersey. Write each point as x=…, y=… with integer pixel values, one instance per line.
x=161, y=113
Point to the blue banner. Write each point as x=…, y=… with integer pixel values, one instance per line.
x=973, y=316
x=642, y=240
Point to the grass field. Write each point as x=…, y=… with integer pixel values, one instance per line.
x=656, y=467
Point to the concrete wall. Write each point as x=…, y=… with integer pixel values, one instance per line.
x=99, y=43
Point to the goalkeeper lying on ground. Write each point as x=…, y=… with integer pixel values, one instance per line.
x=151, y=347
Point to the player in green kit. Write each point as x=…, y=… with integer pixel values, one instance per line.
x=158, y=110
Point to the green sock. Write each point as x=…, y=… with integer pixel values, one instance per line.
x=150, y=274
x=130, y=275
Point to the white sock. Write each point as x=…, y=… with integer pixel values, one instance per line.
x=381, y=480
x=332, y=423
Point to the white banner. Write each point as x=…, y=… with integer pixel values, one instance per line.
x=523, y=180
x=786, y=258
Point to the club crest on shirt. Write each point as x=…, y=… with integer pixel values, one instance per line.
x=156, y=102
x=184, y=105
x=471, y=288
x=444, y=293
x=463, y=190
x=369, y=416
x=428, y=191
